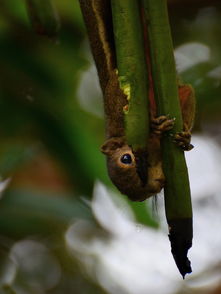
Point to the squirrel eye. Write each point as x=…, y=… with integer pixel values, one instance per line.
x=126, y=159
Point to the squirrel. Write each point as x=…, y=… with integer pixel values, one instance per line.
x=123, y=168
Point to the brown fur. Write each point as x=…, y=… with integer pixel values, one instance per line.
x=126, y=178
x=97, y=16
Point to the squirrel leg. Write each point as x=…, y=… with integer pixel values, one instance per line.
x=161, y=124
x=187, y=102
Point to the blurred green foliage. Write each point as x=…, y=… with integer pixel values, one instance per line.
x=40, y=112
x=39, y=77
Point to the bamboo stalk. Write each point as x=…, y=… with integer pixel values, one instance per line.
x=43, y=17
x=177, y=189
x=132, y=70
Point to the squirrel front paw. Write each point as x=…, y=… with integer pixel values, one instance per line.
x=182, y=139
x=161, y=124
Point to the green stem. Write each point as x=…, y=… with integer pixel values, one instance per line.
x=43, y=17
x=177, y=190
x=132, y=70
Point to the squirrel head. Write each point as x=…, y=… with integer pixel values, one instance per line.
x=134, y=176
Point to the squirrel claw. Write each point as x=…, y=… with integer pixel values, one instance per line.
x=182, y=139
x=161, y=124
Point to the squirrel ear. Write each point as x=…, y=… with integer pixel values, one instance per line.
x=112, y=144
